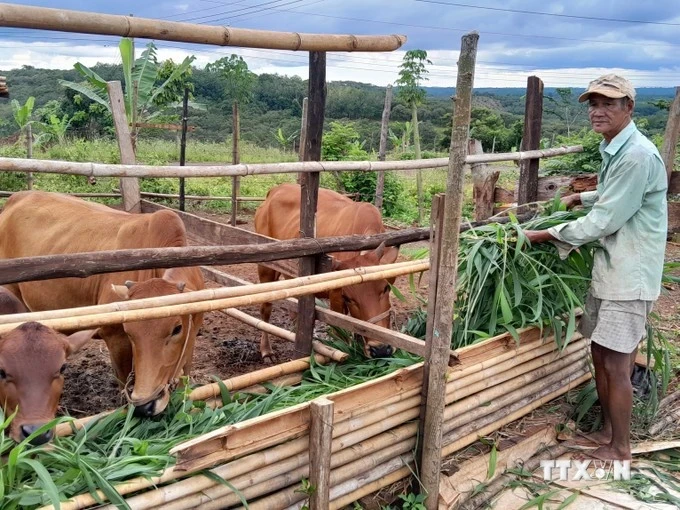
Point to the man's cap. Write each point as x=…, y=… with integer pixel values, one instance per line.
x=609, y=85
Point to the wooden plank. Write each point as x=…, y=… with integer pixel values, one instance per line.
x=320, y=442
x=214, y=233
x=235, y=160
x=671, y=134
x=168, y=127
x=129, y=186
x=454, y=489
x=440, y=337
x=384, y=125
x=310, y=193
x=483, y=184
x=533, y=113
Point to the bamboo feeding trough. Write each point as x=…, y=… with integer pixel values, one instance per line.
x=374, y=430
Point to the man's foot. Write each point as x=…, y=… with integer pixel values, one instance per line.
x=608, y=452
x=588, y=441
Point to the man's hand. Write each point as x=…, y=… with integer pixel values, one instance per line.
x=571, y=201
x=538, y=236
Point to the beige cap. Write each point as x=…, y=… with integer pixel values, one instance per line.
x=609, y=85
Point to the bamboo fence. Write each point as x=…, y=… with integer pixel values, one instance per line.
x=243, y=169
x=374, y=430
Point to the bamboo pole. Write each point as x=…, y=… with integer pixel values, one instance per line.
x=119, y=317
x=506, y=416
x=285, y=380
x=440, y=334
x=63, y=20
x=195, y=296
x=111, y=170
x=370, y=488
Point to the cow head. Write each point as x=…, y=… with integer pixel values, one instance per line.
x=161, y=348
x=368, y=301
x=32, y=361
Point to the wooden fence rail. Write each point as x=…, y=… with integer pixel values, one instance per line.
x=111, y=170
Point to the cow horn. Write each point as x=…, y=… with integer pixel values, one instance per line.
x=380, y=250
x=129, y=283
x=180, y=286
x=121, y=291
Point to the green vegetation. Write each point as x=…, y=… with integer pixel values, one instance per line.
x=119, y=447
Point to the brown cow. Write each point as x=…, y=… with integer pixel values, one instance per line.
x=32, y=361
x=337, y=215
x=156, y=352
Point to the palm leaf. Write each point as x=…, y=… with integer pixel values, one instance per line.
x=144, y=74
x=92, y=78
x=86, y=89
x=179, y=70
x=127, y=50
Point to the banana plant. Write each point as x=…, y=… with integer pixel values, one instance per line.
x=140, y=89
x=22, y=113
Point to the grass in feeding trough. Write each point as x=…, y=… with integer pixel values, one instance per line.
x=119, y=446
x=505, y=283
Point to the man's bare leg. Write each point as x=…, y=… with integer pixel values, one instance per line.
x=618, y=403
x=604, y=435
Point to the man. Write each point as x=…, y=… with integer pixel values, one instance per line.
x=629, y=217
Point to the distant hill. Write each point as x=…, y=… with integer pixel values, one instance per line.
x=656, y=92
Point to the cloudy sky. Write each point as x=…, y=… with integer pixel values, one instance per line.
x=564, y=43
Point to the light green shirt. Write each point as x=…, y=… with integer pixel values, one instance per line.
x=629, y=216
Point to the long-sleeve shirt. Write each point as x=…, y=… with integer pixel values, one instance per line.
x=629, y=216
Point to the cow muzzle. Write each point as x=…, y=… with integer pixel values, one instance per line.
x=375, y=348
x=27, y=429
x=147, y=408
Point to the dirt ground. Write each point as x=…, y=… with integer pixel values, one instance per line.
x=225, y=347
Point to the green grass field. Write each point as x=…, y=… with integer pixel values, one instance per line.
x=161, y=152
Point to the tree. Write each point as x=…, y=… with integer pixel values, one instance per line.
x=411, y=74
x=142, y=90
x=238, y=81
x=564, y=107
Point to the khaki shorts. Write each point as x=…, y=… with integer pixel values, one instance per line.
x=616, y=325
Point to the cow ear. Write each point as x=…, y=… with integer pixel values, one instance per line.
x=78, y=339
x=180, y=286
x=122, y=291
x=389, y=255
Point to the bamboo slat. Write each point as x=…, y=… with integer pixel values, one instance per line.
x=64, y=20
x=101, y=319
x=111, y=170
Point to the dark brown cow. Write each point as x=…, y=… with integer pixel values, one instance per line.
x=337, y=215
x=32, y=361
x=159, y=350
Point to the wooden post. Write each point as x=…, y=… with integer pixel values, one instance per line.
x=4, y=90
x=309, y=189
x=380, y=185
x=235, y=159
x=320, y=441
x=183, y=145
x=439, y=338
x=29, y=154
x=129, y=186
x=671, y=135
x=483, y=184
x=533, y=114
x=303, y=132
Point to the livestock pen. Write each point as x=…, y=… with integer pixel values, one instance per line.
x=348, y=443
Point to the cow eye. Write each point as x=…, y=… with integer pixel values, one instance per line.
x=387, y=288
x=3, y=374
x=177, y=330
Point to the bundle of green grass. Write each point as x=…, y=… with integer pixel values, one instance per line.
x=504, y=283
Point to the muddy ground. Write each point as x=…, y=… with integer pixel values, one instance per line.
x=225, y=347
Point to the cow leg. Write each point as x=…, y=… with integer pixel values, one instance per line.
x=266, y=275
